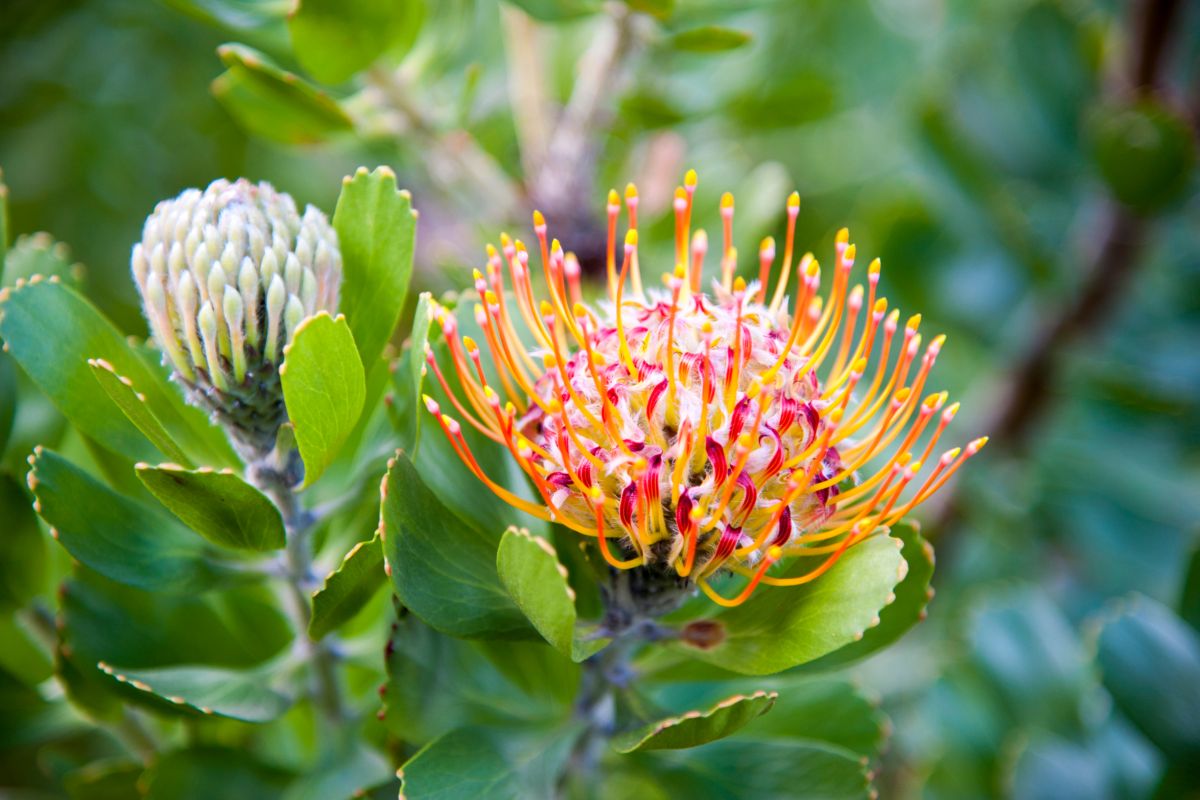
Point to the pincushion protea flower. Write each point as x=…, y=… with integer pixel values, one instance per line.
x=703, y=432
x=226, y=276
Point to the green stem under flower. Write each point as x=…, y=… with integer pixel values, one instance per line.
x=301, y=581
x=633, y=600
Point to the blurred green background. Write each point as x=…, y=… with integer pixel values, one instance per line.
x=1024, y=168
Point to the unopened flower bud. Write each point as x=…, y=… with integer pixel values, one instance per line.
x=227, y=275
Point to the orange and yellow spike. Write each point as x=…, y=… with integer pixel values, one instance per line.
x=702, y=432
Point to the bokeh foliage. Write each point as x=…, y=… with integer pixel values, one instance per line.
x=986, y=151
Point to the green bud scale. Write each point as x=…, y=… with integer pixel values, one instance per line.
x=226, y=276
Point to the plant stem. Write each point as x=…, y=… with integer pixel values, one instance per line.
x=596, y=706
x=634, y=600
x=300, y=582
x=566, y=168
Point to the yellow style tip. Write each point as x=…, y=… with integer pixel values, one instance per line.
x=690, y=178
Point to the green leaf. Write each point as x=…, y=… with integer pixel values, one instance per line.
x=443, y=569
x=20, y=654
x=52, y=331
x=739, y=768
x=8, y=399
x=207, y=691
x=1048, y=683
x=529, y=569
x=648, y=110
x=911, y=596
x=782, y=627
x=348, y=588
x=260, y=20
x=1144, y=152
x=324, y=388
x=22, y=547
x=219, y=506
x=832, y=712
x=334, y=39
x=462, y=764
x=133, y=404
x=376, y=228
x=661, y=9
x=1150, y=662
x=203, y=773
x=411, y=379
x=110, y=779
x=438, y=683
x=3, y=222
x=557, y=10
x=1189, y=598
x=118, y=537
x=695, y=728
x=1045, y=760
x=85, y=686
x=349, y=770
x=39, y=254
x=710, y=39
x=273, y=103
x=470, y=763
x=238, y=627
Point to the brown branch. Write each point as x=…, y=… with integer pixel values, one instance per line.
x=565, y=173
x=1033, y=376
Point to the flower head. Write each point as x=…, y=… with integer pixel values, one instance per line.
x=226, y=276
x=699, y=432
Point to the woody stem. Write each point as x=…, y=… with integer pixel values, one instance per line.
x=297, y=522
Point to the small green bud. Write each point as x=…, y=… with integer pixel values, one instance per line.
x=226, y=275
